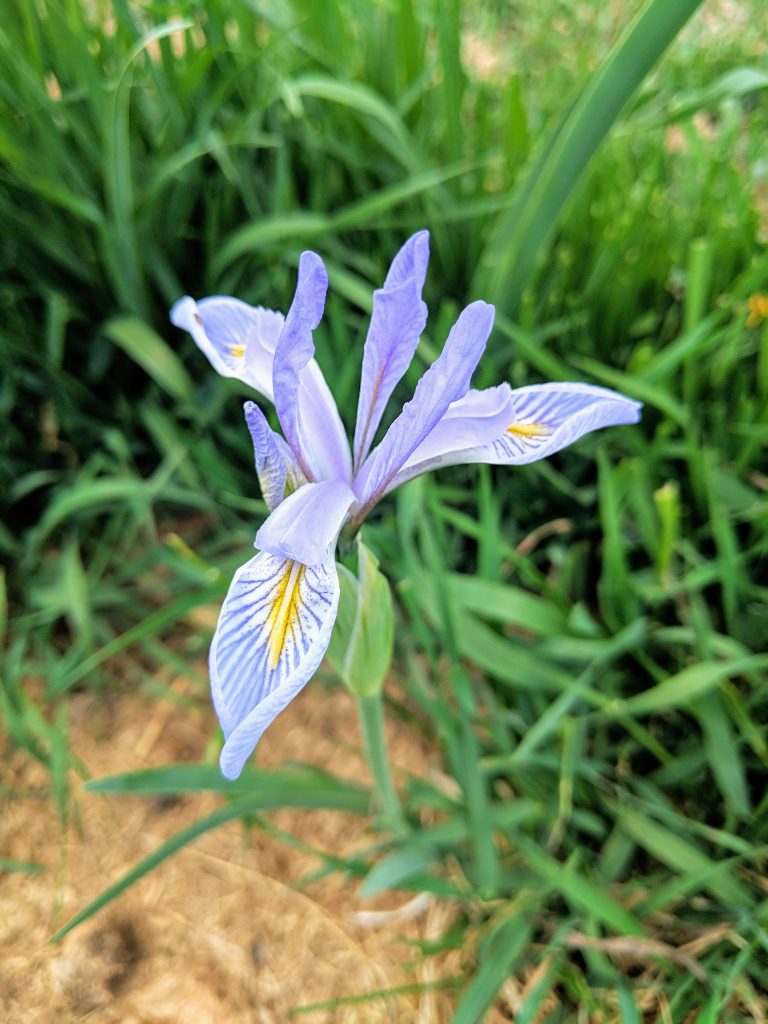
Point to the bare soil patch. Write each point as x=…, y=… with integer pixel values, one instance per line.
x=220, y=932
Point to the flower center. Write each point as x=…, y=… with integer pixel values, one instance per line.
x=529, y=430
x=285, y=610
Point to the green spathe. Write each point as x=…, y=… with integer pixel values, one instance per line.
x=361, y=646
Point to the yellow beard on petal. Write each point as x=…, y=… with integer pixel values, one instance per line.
x=529, y=430
x=238, y=351
x=285, y=610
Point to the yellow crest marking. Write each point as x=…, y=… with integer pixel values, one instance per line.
x=757, y=305
x=529, y=430
x=237, y=351
x=285, y=610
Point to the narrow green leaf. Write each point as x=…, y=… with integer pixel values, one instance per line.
x=21, y=867
x=589, y=897
x=272, y=788
x=723, y=753
x=153, y=354
x=681, y=855
x=628, y=1007
x=525, y=229
x=3, y=607
x=296, y=793
x=92, y=496
x=689, y=683
x=397, y=867
x=510, y=605
x=495, y=966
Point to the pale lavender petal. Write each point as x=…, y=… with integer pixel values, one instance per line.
x=548, y=417
x=307, y=522
x=322, y=432
x=398, y=318
x=294, y=474
x=476, y=419
x=268, y=455
x=239, y=340
x=305, y=406
x=445, y=382
x=274, y=628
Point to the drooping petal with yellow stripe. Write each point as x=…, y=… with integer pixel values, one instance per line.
x=273, y=631
x=239, y=340
x=508, y=427
x=548, y=417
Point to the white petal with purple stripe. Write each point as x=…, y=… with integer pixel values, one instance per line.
x=474, y=420
x=274, y=628
x=547, y=417
x=239, y=340
x=268, y=456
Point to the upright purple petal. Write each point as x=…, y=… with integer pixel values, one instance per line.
x=398, y=318
x=274, y=628
x=305, y=406
x=239, y=340
x=307, y=523
x=296, y=348
x=444, y=382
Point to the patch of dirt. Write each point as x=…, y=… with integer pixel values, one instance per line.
x=219, y=932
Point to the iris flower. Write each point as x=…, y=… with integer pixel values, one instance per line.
x=277, y=618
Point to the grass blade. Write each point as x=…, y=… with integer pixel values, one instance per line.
x=525, y=229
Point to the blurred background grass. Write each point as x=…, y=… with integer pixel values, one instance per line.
x=604, y=711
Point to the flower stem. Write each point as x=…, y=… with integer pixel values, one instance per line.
x=371, y=714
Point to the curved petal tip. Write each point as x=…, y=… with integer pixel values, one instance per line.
x=274, y=628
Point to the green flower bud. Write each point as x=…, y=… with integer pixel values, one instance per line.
x=361, y=645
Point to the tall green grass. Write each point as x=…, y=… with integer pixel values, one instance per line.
x=596, y=688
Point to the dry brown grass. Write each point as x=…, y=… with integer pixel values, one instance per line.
x=220, y=932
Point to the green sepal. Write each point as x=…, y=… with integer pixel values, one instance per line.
x=360, y=650
x=345, y=619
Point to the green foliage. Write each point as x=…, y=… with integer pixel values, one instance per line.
x=584, y=639
x=361, y=646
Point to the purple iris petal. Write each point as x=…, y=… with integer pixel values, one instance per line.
x=239, y=340
x=278, y=615
x=398, y=318
x=307, y=522
x=444, y=382
x=548, y=417
x=274, y=628
x=476, y=419
x=268, y=455
x=305, y=406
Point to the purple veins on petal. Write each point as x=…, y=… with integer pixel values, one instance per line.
x=476, y=419
x=268, y=456
x=548, y=417
x=446, y=381
x=274, y=628
x=305, y=407
x=239, y=340
x=398, y=318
